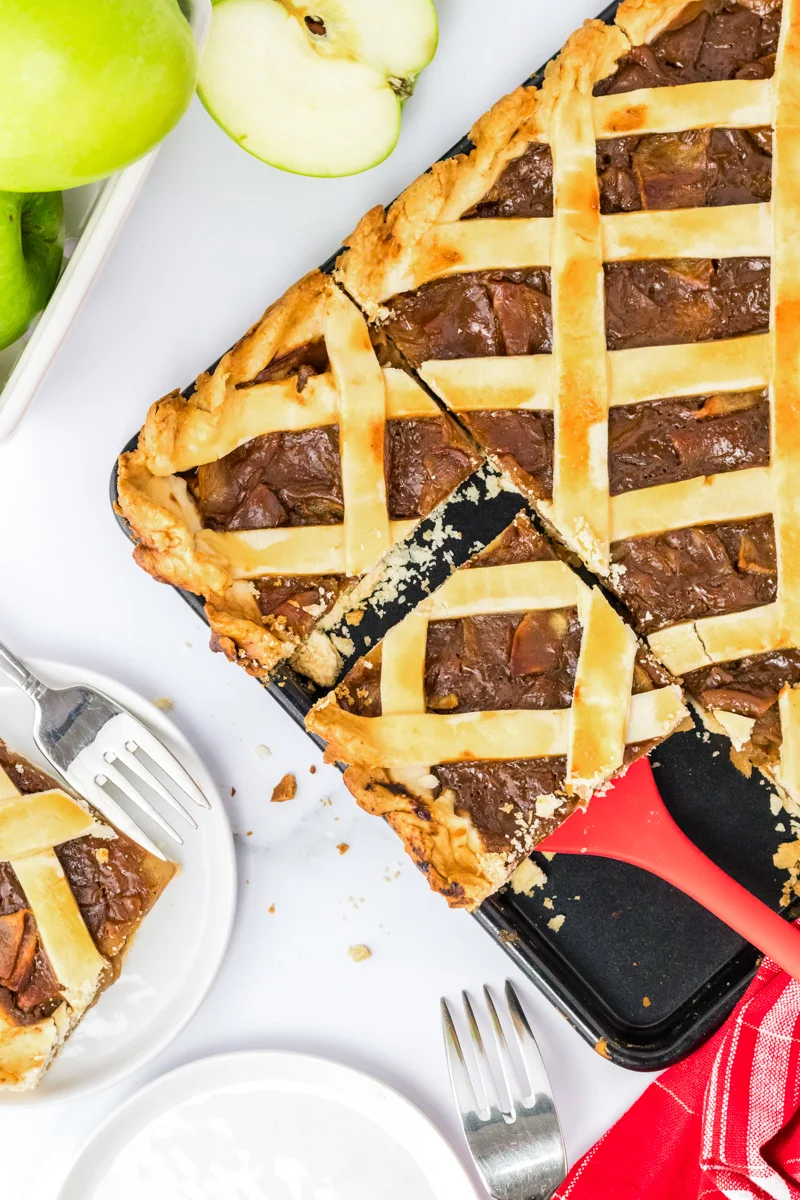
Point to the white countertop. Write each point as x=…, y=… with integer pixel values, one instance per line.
x=214, y=238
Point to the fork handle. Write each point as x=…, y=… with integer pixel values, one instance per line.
x=19, y=674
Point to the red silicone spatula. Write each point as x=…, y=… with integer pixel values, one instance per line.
x=631, y=824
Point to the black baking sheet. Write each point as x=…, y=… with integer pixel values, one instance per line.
x=640, y=970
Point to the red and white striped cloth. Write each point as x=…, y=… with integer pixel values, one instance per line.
x=722, y=1123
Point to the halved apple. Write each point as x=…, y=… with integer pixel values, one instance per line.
x=316, y=89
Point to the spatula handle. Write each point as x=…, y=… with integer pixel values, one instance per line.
x=631, y=824
x=683, y=865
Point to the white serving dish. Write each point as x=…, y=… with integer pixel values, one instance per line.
x=93, y=215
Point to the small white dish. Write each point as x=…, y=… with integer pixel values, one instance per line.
x=264, y=1125
x=178, y=949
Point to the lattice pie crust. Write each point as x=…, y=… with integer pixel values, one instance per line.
x=31, y=826
x=422, y=237
x=223, y=413
x=391, y=756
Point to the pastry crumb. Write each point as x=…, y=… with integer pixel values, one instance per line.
x=556, y=922
x=285, y=789
x=526, y=877
x=547, y=902
x=271, y=908
x=359, y=953
x=646, y=1002
x=249, y=833
x=164, y=703
x=508, y=936
x=233, y=791
x=325, y=801
x=355, y=617
x=312, y=770
x=343, y=847
x=549, y=855
x=263, y=751
x=101, y=855
x=601, y=1048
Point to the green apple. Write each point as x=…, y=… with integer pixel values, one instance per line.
x=315, y=88
x=31, y=251
x=87, y=86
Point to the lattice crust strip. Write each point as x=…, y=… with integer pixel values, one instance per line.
x=30, y=827
x=229, y=409
x=593, y=733
x=423, y=237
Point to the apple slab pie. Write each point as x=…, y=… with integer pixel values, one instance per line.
x=284, y=478
x=505, y=698
x=606, y=290
x=73, y=892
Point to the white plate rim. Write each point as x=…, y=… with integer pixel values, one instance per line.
x=64, y=674
x=126, y=1121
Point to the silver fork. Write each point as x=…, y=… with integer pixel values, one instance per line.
x=87, y=737
x=512, y=1132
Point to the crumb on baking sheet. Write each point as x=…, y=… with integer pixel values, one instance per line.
x=164, y=703
x=526, y=877
x=549, y=855
x=359, y=953
x=547, y=902
x=343, y=847
x=355, y=617
x=263, y=751
x=312, y=770
x=646, y=1002
x=787, y=858
x=601, y=1048
x=508, y=936
x=325, y=801
x=285, y=789
x=555, y=923
x=271, y=908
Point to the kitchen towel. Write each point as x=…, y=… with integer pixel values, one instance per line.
x=724, y=1122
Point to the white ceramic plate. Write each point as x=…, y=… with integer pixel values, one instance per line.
x=267, y=1126
x=179, y=947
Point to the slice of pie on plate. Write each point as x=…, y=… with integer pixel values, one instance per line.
x=284, y=478
x=606, y=290
x=73, y=892
x=508, y=696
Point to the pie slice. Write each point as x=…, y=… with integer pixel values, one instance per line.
x=73, y=892
x=511, y=694
x=283, y=479
x=606, y=291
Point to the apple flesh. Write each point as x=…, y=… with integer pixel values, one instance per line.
x=87, y=86
x=317, y=89
x=31, y=252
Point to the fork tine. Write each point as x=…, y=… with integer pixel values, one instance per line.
x=537, y=1080
x=155, y=750
x=490, y=1089
x=456, y=1064
x=110, y=774
x=506, y=1064
x=108, y=807
x=144, y=773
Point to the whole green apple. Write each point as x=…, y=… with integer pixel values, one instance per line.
x=88, y=86
x=31, y=250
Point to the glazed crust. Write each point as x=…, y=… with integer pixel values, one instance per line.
x=166, y=549
x=31, y=825
x=445, y=845
x=388, y=247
